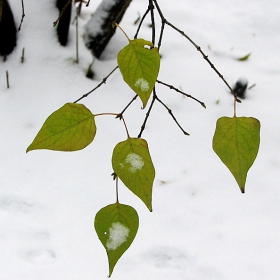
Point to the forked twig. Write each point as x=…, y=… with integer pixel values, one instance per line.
x=22, y=16
x=198, y=48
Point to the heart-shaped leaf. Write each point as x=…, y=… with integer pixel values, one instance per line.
x=70, y=128
x=116, y=226
x=132, y=163
x=139, y=67
x=236, y=141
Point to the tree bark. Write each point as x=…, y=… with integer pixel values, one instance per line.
x=99, y=29
x=8, y=30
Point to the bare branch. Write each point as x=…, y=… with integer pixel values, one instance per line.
x=198, y=48
x=99, y=85
x=122, y=112
x=62, y=12
x=23, y=15
x=147, y=114
x=141, y=22
x=185, y=94
x=171, y=114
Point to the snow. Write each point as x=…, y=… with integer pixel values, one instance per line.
x=118, y=234
x=135, y=162
x=142, y=84
x=92, y=28
x=201, y=226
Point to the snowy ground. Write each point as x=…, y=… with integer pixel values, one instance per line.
x=202, y=227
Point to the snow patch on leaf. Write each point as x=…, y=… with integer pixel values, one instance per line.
x=142, y=84
x=136, y=162
x=118, y=234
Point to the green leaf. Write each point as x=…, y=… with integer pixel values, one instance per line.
x=244, y=58
x=116, y=226
x=132, y=163
x=236, y=141
x=70, y=128
x=139, y=67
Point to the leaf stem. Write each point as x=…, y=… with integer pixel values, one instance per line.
x=117, y=116
x=116, y=24
x=117, y=189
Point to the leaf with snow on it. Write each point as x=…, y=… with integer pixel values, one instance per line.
x=116, y=226
x=132, y=163
x=139, y=66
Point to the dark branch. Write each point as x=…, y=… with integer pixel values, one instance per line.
x=122, y=112
x=23, y=15
x=151, y=8
x=99, y=85
x=171, y=114
x=161, y=34
x=141, y=22
x=198, y=48
x=147, y=114
x=185, y=94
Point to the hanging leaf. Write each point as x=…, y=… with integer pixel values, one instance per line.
x=139, y=67
x=70, y=128
x=116, y=226
x=132, y=163
x=236, y=141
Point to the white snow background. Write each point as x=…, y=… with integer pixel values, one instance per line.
x=201, y=226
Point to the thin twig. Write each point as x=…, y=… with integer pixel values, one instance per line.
x=122, y=112
x=171, y=114
x=198, y=48
x=161, y=34
x=87, y=3
x=151, y=8
x=23, y=15
x=77, y=31
x=147, y=114
x=185, y=94
x=22, y=56
x=7, y=79
x=141, y=22
x=62, y=12
x=99, y=85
